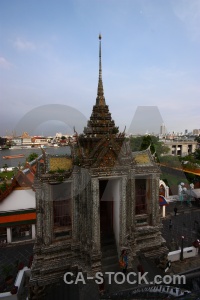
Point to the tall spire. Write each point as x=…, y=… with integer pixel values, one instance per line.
x=100, y=94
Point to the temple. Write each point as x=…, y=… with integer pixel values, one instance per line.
x=101, y=190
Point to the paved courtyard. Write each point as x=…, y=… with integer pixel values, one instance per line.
x=186, y=223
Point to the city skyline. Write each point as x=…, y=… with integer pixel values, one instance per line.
x=150, y=62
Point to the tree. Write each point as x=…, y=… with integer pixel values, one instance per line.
x=197, y=154
x=197, y=139
x=143, y=142
x=5, y=167
x=32, y=156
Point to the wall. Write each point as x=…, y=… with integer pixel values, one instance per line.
x=187, y=252
x=180, y=147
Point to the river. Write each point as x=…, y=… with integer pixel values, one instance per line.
x=14, y=162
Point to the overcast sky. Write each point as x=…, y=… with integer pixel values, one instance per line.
x=150, y=61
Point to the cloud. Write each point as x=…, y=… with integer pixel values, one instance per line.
x=4, y=63
x=188, y=12
x=24, y=45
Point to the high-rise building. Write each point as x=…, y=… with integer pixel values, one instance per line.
x=162, y=129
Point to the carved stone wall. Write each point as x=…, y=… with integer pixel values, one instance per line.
x=82, y=250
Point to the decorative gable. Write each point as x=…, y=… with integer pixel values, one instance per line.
x=143, y=158
x=109, y=159
x=60, y=163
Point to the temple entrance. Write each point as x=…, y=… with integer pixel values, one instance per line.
x=109, y=200
x=109, y=197
x=106, y=208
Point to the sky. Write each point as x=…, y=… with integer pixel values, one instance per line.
x=49, y=64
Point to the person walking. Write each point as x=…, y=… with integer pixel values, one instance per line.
x=123, y=261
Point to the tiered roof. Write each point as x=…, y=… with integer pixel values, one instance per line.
x=100, y=122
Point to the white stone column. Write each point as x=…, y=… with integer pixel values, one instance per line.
x=9, y=235
x=33, y=231
x=163, y=211
x=166, y=192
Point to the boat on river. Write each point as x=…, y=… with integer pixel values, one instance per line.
x=13, y=156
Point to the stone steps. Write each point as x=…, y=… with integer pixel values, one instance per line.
x=109, y=259
x=155, y=253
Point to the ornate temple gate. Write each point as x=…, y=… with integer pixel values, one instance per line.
x=110, y=188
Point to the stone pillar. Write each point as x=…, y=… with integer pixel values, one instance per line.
x=95, y=226
x=47, y=205
x=83, y=207
x=75, y=207
x=123, y=212
x=9, y=235
x=39, y=211
x=89, y=212
x=155, y=199
x=33, y=231
x=132, y=203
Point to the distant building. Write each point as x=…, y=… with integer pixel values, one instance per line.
x=39, y=140
x=180, y=148
x=162, y=129
x=26, y=139
x=196, y=131
x=17, y=141
x=3, y=141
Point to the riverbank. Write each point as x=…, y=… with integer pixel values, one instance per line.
x=26, y=152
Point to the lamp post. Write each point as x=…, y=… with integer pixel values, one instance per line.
x=181, y=256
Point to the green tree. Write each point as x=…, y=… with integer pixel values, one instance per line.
x=32, y=156
x=197, y=154
x=143, y=142
x=135, y=143
x=197, y=138
x=5, y=167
